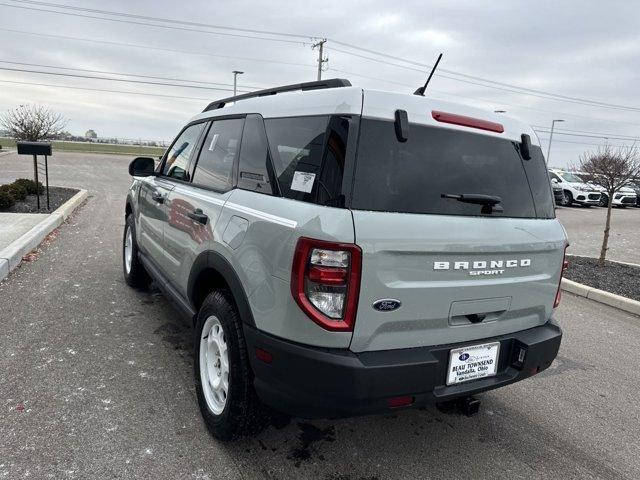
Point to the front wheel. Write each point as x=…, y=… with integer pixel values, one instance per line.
x=223, y=376
x=568, y=198
x=604, y=200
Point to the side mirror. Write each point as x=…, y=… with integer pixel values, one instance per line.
x=525, y=146
x=142, y=167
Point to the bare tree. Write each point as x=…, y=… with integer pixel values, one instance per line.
x=32, y=122
x=611, y=168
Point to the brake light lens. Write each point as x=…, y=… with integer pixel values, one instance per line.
x=325, y=282
x=565, y=265
x=465, y=121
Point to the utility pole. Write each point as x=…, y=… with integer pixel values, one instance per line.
x=551, y=138
x=235, y=77
x=321, y=59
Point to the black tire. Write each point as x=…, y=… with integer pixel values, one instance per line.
x=568, y=198
x=604, y=200
x=243, y=413
x=136, y=276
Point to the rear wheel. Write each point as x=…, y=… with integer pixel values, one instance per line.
x=134, y=273
x=223, y=376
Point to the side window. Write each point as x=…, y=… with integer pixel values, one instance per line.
x=308, y=155
x=177, y=159
x=215, y=163
x=253, y=172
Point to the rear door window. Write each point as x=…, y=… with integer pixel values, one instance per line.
x=215, y=164
x=413, y=176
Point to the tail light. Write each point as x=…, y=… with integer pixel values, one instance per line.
x=565, y=265
x=325, y=281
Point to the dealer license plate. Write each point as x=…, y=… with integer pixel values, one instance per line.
x=473, y=362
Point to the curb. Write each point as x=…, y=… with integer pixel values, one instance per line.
x=612, y=261
x=600, y=296
x=11, y=256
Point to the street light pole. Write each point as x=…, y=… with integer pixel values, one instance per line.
x=551, y=138
x=235, y=77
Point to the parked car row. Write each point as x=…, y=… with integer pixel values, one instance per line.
x=570, y=188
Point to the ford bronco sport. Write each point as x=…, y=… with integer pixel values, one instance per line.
x=343, y=251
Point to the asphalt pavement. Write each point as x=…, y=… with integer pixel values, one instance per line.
x=585, y=227
x=96, y=382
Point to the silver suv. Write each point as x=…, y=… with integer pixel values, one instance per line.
x=343, y=251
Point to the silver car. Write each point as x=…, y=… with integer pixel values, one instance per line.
x=343, y=251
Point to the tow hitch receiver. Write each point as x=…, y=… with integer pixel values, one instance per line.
x=468, y=406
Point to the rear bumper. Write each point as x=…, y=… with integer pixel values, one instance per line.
x=315, y=382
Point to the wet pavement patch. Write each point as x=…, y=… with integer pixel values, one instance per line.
x=310, y=434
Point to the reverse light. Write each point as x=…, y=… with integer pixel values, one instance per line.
x=565, y=265
x=325, y=282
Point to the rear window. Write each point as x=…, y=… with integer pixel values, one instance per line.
x=412, y=176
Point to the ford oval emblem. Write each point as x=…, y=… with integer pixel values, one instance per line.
x=386, y=304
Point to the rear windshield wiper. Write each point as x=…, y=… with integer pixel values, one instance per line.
x=490, y=203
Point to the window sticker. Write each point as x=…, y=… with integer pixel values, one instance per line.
x=303, y=181
x=214, y=140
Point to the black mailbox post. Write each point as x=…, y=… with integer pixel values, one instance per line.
x=35, y=149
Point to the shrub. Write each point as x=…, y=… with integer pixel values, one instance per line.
x=17, y=191
x=6, y=200
x=30, y=185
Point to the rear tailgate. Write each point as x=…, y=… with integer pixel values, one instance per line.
x=426, y=262
x=459, y=269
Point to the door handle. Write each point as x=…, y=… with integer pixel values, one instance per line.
x=157, y=197
x=198, y=216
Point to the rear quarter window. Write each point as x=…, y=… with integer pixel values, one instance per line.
x=309, y=156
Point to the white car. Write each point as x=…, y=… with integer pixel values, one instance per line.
x=575, y=189
x=623, y=197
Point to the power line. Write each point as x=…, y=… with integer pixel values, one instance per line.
x=169, y=27
x=604, y=135
x=496, y=85
x=160, y=19
x=608, y=137
x=40, y=72
x=489, y=101
x=126, y=74
x=509, y=87
x=582, y=143
x=105, y=90
x=148, y=47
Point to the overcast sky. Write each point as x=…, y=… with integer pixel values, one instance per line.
x=580, y=49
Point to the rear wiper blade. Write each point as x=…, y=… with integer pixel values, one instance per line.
x=490, y=203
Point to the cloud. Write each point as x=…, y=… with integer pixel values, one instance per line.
x=571, y=48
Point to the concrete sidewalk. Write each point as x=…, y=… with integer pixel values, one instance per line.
x=22, y=232
x=14, y=225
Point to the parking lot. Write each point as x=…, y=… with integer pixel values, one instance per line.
x=96, y=379
x=585, y=227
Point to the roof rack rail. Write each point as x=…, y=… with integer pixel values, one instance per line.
x=317, y=85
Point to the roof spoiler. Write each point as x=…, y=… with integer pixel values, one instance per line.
x=317, y=85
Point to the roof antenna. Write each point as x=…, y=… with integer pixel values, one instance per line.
x=420, y=91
